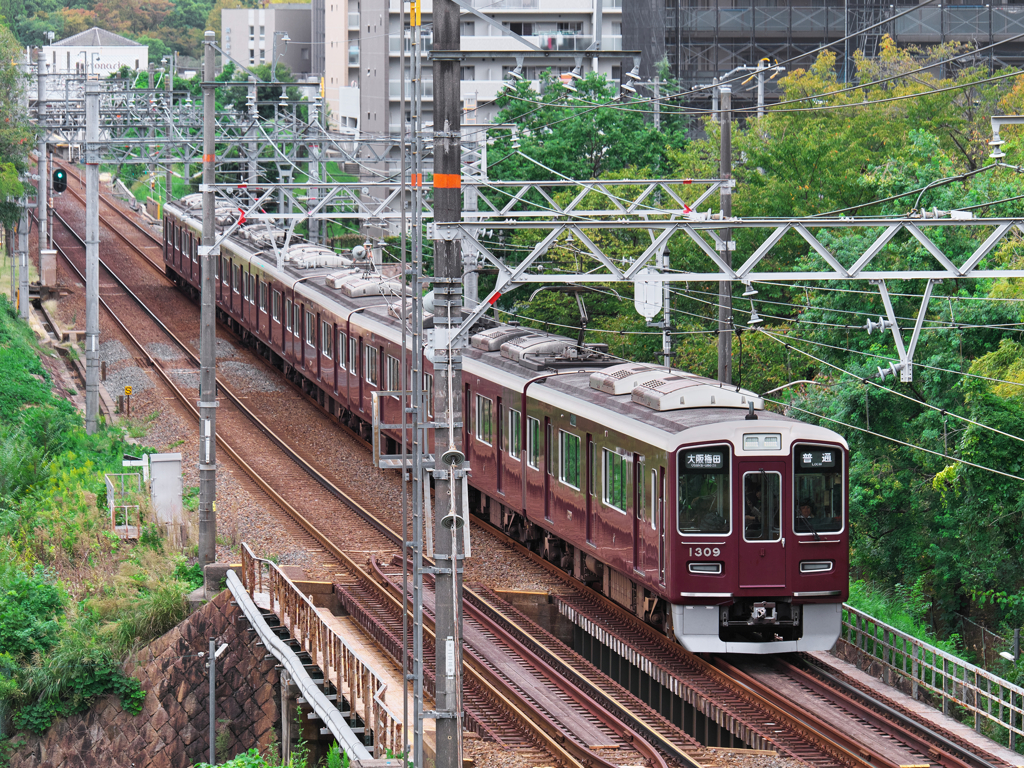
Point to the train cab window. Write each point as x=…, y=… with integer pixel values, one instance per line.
x=569, y=458
x=762, y=506
x=287, y=314
x=263, y=295
x=533, y=442
x=370, y=357
x=326, y=339
x=615, y=480
x=353, y=355
x=515, y=433
x=704, y=498
x=342, y=348
x=310, y=330
x=484, y=419
x=275, y=306
x=817, y=490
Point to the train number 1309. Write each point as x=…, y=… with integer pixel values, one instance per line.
x=705, y=552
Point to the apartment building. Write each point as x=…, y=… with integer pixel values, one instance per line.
x=278, y=32
x=559, y=27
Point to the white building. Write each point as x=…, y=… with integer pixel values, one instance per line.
x=341, y=62
x=95, y=52
x=258, y=35
x=560, y=27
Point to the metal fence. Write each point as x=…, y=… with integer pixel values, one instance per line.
x=352, y=676
x=972, y=690
x=124, y=500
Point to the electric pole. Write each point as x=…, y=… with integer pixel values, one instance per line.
x=725, y=286
x=92, y=256
x=170, y=126
x=448, y=274
x=43, y=171
x=207, y=330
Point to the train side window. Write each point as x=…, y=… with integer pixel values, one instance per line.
x=484, y=419
x=216, y=271
x=263, y=296
x=370, y=356
x=296, y=319
x=236, y=279
x=569, y=458
x=275, y=306
x=515, y=433
x=310, y=329
x=195, y=250
x=245, y=286
x=614, y=480
x=704, y=499
x=342, y=348
x=326, y=339
x=394, y=375
x=762, y=506
x=225, y=271
x=287, y=314
x=428, y=393
x=817, y=489
x=654, y=499
x=533, y=442
x=353, y=355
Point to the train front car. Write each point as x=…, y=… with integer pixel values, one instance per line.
x=761, y=536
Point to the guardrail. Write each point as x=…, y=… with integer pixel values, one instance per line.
x=977, y=691
x=352, y=676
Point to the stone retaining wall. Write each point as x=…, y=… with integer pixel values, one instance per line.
x=173, y=729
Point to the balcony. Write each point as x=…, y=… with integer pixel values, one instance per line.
x=353, y=20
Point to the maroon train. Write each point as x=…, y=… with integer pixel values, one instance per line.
x=679, y=498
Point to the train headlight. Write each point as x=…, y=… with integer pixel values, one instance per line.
x=816, y=566
x=705, y=568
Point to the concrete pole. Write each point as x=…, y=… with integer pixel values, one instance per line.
x=657, y=104
x=23, y=263
x=760, y=88
x=44, y=176
x=92, y=256
x=212, y=663
x=448, y=274
x=313, y=166
x=168, y=175
x=152, y=105
x=253, y=117
x=725, y=286
x=207, y=329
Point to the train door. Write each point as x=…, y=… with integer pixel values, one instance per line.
x=499, y=446
x=549, y=466
x=762, y=547
x=658, y=505
x=639, y=515
x=590, y=488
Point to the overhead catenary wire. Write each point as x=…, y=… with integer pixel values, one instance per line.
x=893, y=439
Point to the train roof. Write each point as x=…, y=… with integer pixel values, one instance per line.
x=617, y=393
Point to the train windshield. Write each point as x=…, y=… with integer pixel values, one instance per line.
x=817, y=490
x=704, y=498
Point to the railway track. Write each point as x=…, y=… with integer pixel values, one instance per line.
x=285, y=479
x=759, y=718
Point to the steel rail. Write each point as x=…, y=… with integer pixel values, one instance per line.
x=378, y=524
x=558, y=751
x=957, y=757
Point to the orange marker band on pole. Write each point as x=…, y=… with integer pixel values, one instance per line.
x=209, y=158
x=447, y=181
